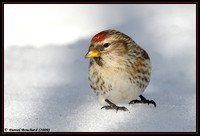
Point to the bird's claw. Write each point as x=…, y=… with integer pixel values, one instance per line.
x=143, y=100
x=151, y=102
x=112, y=106
x=108, y=107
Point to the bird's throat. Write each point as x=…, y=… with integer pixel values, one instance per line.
x=98, y=60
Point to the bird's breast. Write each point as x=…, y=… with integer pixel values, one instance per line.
x=112, y=84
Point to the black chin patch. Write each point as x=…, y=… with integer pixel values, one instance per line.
x=98, y=60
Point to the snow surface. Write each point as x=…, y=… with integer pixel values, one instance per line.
x=48, y=87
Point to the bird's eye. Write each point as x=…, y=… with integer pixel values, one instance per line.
x=106, y=45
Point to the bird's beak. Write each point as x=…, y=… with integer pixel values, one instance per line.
x=92, y=54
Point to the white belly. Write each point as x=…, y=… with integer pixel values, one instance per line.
x=122, y=89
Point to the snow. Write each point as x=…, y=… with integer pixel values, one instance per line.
x=45, y=79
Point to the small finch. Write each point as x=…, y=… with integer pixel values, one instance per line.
x=119, y=69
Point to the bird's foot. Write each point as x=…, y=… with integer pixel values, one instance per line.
x=143, y=100
x=108, y=107
x=112, y=106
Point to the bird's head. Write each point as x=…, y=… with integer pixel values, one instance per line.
x=108, y=44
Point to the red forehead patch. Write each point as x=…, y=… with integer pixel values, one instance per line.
x=99, y=37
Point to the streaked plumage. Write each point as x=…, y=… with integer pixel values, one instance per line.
x=119, y=69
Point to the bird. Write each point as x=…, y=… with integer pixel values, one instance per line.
x=119, y=69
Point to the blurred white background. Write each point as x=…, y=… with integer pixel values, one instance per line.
x=44, y=24
x=46, y=81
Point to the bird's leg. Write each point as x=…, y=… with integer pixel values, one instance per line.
x=113, y=106
x=143, y=100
